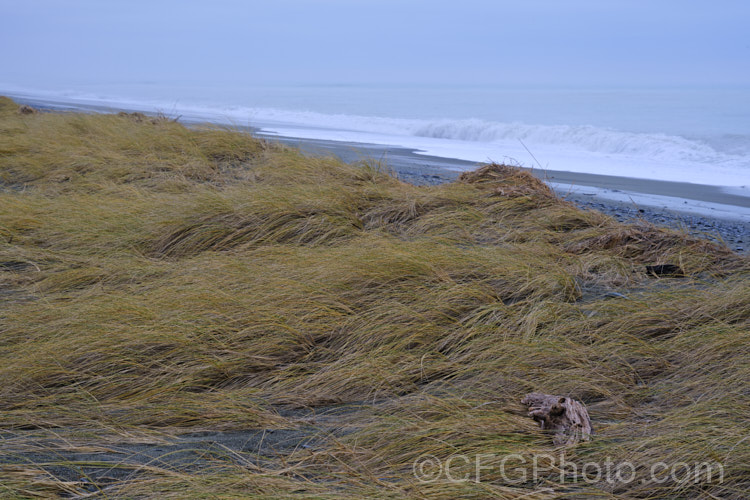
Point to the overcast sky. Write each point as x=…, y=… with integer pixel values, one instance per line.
x=57, y=42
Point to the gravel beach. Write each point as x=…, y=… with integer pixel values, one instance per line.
x=582, y=189
x=585, y=190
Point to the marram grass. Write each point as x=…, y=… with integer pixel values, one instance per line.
x=157, y=280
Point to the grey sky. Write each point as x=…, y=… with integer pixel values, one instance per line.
x=48, y=42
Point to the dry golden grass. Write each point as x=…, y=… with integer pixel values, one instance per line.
x=157, y=280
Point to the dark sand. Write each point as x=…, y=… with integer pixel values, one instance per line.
x=68, y=454
x=423, y=169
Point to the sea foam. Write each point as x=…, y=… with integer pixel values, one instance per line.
x=722, y=161
x=582, y=148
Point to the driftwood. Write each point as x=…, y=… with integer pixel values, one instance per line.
x=566, y=418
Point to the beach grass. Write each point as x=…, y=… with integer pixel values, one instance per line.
x=158, y=280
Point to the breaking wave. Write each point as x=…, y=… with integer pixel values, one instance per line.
x=728, y=150
x=571, y=137
x=585, y=137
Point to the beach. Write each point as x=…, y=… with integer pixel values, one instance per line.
x=626, y=199
x=703, y=210
x=198, y=310
x=398, y=250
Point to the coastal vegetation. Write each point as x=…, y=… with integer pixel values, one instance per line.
x=159, y=281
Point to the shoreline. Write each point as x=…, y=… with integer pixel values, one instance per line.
x=588, y=191
x=709, y=212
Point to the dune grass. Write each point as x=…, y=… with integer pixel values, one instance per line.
x=157, y=280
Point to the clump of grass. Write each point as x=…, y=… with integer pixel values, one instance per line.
x=256, y=217
x=158, y=280
x=53, y=150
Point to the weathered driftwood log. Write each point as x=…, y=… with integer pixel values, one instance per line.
x=566, y=418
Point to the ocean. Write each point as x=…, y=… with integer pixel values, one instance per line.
x=687, y=134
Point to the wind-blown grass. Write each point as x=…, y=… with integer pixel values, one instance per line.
x=158, y=280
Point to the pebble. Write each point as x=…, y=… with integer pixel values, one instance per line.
x=732, y=233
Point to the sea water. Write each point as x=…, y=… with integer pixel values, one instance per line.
x=687, y=134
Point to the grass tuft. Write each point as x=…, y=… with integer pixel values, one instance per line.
x=165, y=285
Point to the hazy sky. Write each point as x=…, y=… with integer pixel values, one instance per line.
x=57, y=42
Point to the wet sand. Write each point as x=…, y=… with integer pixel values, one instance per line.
x=94, y=468
x=729, y=223
x=588, y=191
